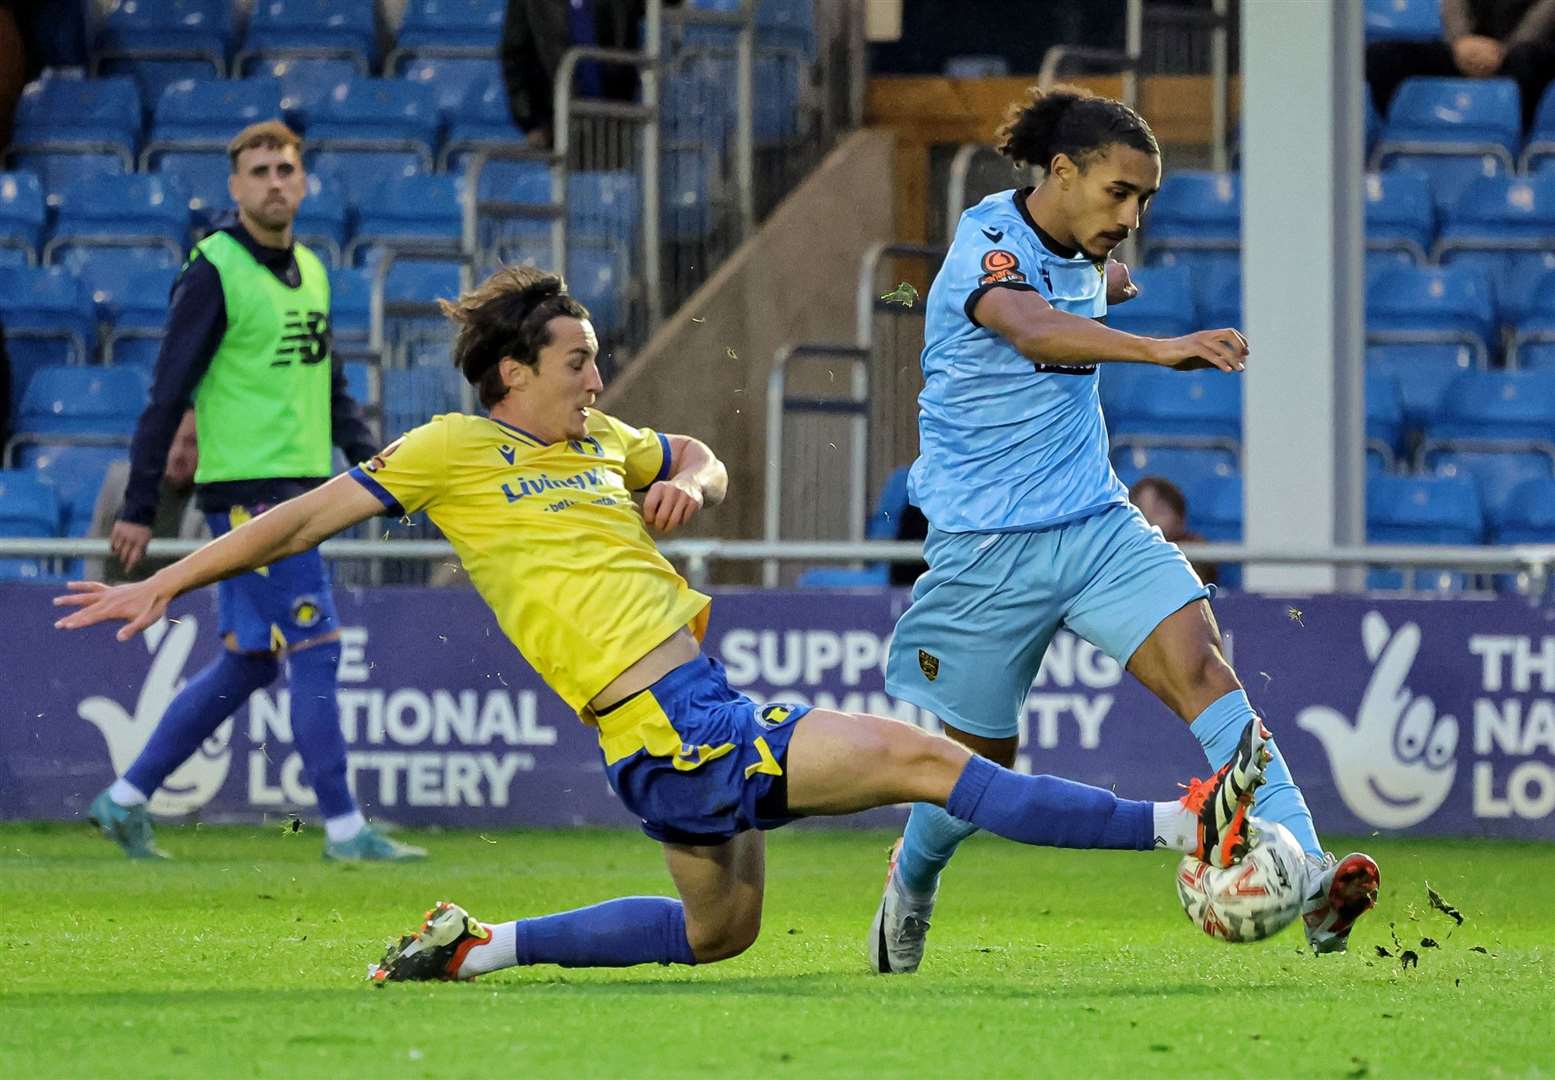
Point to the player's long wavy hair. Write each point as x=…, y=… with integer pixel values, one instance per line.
x=1071, y=121
x=507, y=315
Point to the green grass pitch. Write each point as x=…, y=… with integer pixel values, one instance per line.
x=246, y=957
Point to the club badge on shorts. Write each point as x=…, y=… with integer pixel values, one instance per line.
x=929, y=663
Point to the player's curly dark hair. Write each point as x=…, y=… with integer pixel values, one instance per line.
x=506, y=316
x=1072, y=121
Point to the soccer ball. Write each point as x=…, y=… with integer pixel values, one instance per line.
x=1256, y=898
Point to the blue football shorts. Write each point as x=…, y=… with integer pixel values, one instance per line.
x=697, y=761
x=277, y=606
x=970, y=645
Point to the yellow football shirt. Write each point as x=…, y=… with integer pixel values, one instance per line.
x=550, y=536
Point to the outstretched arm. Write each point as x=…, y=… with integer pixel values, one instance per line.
x=697, y=478
x=294, y=526
x=1046, y=335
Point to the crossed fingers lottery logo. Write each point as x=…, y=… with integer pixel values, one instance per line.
x=1395, y=761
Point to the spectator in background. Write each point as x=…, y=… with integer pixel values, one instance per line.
x=1481, y=39
x=176, y=516
x=535, y=34
x=1163, y=505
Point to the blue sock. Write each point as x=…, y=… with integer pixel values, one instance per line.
x=928, y=842
x=1049, y=810
x=199, y=709
x=1217, y=728
x=617, y=933
x=312, y=675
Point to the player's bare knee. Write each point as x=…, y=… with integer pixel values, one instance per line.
x=725, y=938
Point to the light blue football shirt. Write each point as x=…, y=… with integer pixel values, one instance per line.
x=1005, y=444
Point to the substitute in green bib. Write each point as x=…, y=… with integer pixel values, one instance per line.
x=248, y=345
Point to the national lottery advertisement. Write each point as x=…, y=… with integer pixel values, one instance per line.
x=1426, y=717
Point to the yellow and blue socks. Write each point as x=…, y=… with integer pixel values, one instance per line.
x=1049, y=810
x=195, y=712
x=617, y=933
x=1279, y=799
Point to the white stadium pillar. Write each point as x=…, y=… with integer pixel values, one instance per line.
x=1303, y=428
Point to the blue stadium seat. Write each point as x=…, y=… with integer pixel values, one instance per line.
x=1540, y=150
x=161, y=41
x=1373, y=120
x=598, y=279
x=1423, y=510
x=775, y=118
x=505, y=189
x=1195, y=210
x=1384, y=416
x=603, y=207
x=362, y=381
x=309, y=28
x=411, y=290
x=323, y=220
x=686, y=212
x=482, y=121
x=1527, y=516
x=1497, y=472
x=452, y=79
x=1453, y=129
x=131, y=292
x=421, y=213
x=695, y=105
x=1533, y=325
x=350, y=304
x=21, y=218
x=412, y=396
x=203, y=176
x=1163, y=308
x=1219, y=288
x=56, y=172
x=1400, y=215
x=447, y=28
x=305, y=82
x=28, y=508
x=1503, y=222
x=206, y=113
x=49, y=319
x=1179, y=464
x=1144, y=403
x=1431, y=304
x=59, y=114
x=148, y=210
x=1422, y=373
x=1403, y=20
x=390, y=119
x=76, y=474
x=70, y=402
x=353, y=173
x=1497, y=406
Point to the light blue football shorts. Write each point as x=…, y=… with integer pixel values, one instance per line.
x=970, y=645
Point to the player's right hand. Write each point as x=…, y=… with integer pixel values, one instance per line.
x=128, y=543
x=137, y=605
x=1224, y=349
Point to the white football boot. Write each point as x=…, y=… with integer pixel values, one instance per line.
x=901, y=922
x=1339, y=891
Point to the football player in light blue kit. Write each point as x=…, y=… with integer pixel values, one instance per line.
x=1029, y=528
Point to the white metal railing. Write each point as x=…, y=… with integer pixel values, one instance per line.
x=1537, y=561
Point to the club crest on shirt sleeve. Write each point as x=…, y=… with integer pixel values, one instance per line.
x=1000, y=265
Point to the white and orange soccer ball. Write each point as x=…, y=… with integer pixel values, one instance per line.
x=1256, y=898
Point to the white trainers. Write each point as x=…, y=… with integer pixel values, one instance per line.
x=901, y=922
x=1339, y=891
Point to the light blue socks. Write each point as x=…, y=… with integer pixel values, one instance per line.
x=1279, y=799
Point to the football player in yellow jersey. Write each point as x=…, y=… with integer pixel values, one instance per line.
x=537, y=498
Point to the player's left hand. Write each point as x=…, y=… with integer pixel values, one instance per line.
x=137, y=605
x=669, y=504
x=1120, y=286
